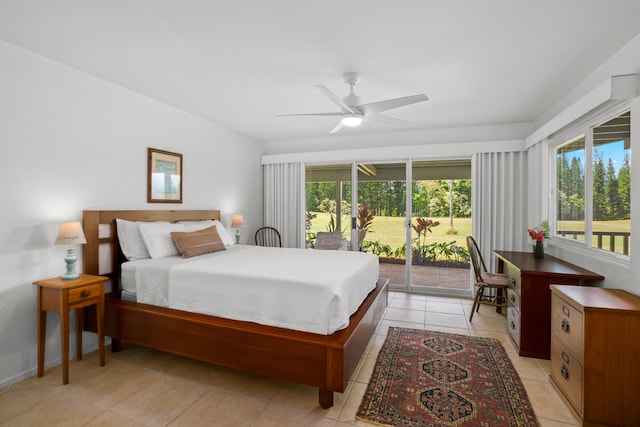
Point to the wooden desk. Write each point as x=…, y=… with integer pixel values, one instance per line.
x=529, y=311
x=61, y=296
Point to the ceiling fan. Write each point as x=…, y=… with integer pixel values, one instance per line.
x=353, y=112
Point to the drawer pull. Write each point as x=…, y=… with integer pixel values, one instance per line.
x=565, y=357
x=566, y=311
x=513, y=325
x=513, y=282
x=564, y=372
x=565, y=325
x=512, y=298
x=85, y=293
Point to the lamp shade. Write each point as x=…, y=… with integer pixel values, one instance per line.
x=237, y=221
x=70, y=233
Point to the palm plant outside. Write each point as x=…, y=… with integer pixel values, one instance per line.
x=422, y=226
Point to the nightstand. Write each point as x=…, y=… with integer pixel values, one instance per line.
x=61, y=296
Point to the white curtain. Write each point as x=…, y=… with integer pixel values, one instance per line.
x=500, y=202
x=538, y=160
x=284, y=201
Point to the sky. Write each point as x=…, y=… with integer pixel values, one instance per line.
x=613, y=150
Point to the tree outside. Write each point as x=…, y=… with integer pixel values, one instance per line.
x=611, y=193
x=445, y=202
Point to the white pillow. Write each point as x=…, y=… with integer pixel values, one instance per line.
x=157, y=238
x=131, y=240
x=227, y=238
x=197, y=225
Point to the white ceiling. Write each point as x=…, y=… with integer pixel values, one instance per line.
x=241, y=63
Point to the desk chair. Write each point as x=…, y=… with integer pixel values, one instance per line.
x=485, y=280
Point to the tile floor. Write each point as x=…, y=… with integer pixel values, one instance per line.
x=142, y=387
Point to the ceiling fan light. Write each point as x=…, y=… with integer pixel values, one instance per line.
x=352, y=120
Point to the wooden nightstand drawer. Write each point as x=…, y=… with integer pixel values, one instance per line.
x=567, y=324
x=566, y=372
x=84, y=293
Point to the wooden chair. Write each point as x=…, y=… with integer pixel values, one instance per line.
x=268, y=236
x=485, y=280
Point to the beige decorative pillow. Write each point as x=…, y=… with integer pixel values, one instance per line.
x=199, y=242
x=328, y=240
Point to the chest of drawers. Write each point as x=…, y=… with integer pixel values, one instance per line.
x=595, y=353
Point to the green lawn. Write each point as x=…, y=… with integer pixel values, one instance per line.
x=610, y=226
x=390, y=231
x=619, y=225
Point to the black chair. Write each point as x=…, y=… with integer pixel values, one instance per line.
x=268, y=236
x=485, y=280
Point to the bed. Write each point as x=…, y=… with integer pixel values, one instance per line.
x=323, y=361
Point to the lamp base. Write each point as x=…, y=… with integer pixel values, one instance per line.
x=237, y=236
x=70, y=259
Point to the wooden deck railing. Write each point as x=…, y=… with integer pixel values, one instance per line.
x=599, y=238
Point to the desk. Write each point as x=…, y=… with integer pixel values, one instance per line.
x=60, y=296
x=529, y=311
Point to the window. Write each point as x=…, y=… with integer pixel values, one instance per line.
x=570, y=188
x=593, y=185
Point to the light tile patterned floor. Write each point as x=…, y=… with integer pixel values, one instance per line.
x=142, y=387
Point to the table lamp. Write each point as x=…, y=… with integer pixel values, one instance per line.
x=237, y=222
x=70, y=233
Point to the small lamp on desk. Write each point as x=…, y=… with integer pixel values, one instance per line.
x=237, y=222
x=70, y=233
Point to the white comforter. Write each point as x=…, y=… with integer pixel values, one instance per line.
x=306, y=290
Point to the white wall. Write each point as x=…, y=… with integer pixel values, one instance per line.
x=625, y=61
x=70, y=142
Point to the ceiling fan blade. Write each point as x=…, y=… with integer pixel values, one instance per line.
x=383, y=118
x=332, y=96
x=309, y=114
x=337, y=128
x=379, y=107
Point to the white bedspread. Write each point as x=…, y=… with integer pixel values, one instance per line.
x=306, y=290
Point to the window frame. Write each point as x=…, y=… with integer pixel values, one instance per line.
x=584, y=126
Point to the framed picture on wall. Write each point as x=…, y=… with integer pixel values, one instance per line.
x=164, y=176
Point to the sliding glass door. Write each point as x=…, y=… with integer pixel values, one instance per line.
x=382, y=213
x=441, y=220
x=414, y=215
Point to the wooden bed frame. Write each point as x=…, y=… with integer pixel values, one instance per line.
x=322, y=361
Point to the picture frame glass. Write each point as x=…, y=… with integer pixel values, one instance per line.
x=164, y=180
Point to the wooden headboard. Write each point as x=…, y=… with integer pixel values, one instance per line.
x=101, y=255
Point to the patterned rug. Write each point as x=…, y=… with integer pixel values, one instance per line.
x=425, y=378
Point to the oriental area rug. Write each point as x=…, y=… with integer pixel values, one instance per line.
x=425, y=378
